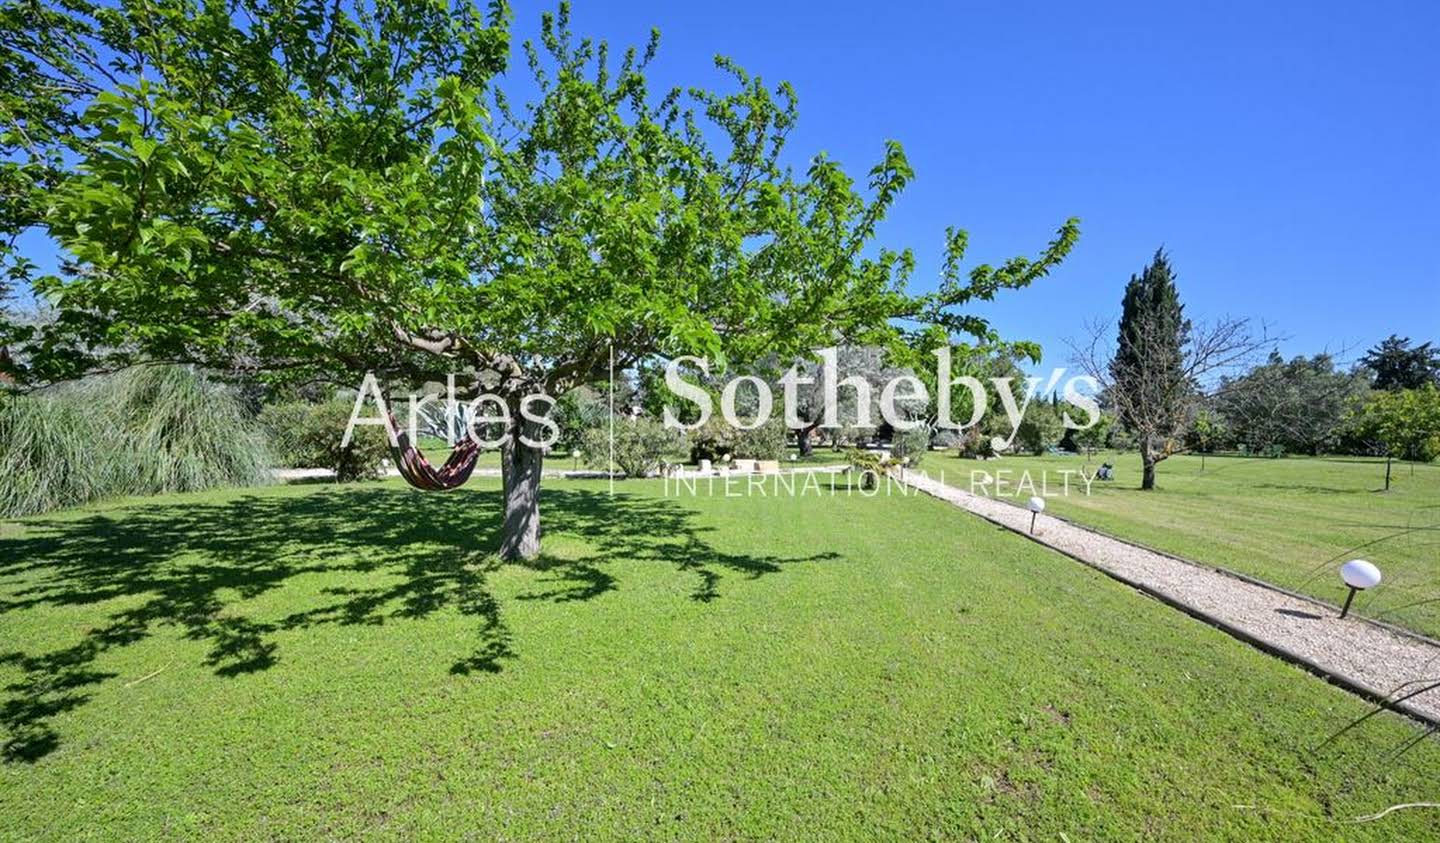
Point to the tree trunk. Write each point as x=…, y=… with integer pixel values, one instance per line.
x=520, y=467
x=1147, y=459
x=802, y=439
x=1387, y=472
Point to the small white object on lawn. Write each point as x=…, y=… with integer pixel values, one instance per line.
x=1359, y=575
x=1037, y=506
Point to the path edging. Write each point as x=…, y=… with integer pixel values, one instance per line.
x=1340, y=680
x=1246, y=578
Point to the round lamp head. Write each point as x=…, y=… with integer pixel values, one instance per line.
x=1037, y=504
x=1357, y=573
x=575, y=453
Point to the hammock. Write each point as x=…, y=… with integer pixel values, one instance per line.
x=418, y=471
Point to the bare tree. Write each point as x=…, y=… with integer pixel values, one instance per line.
x=1157, y=403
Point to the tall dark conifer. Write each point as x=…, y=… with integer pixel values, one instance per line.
x=1399, y=366
x=1149, y=363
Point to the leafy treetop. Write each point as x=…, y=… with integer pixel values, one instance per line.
x=314, y=189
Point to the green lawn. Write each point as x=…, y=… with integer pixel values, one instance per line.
x=1289, y=521
x=332, y=662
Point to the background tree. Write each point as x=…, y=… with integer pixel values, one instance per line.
x=1041, y=427
x=1094, y=437
x=1396, y=365
x=1155, y=376
x=865, y=362
x=1402, y=423
x=1299, y=405
x=1206, y=431
x=317, y=190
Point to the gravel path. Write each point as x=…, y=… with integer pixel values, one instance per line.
x=1360, y=655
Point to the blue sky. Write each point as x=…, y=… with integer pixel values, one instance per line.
x=1285, y=153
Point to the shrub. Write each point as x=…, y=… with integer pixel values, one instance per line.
x=766, y=442
x=309, y=436
x=947, y=439
x=869, y=464
x=911, y=446
x=50, y=456
x=641, y=445
x=1039, y=429
x=148, y=430
x=977, y=445
x=184, y=432
x=712, y=440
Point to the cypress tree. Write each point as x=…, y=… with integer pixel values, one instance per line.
x=1148, y=371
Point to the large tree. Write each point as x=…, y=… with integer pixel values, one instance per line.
x=1398, y=365
x=1151, y=388
x=853, y=364
x=1299, y=404
x=319, y=190
x=1155, y=377
x=1401, y=423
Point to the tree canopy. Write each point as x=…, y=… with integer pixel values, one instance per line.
x=1403, y=424
x=1299, y=404
x=330, y=189
x=1398, y=365
x=315, y=190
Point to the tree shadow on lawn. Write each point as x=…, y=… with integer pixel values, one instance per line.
x=189, y=565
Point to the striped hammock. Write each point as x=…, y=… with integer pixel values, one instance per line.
x=418, y=471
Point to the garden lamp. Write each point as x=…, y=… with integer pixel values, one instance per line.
x=575, y=456
x=1359, y=575
x=1037, y=506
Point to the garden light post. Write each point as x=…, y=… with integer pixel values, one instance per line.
x=575, y=460
x=1037, y=506
x=1359, y=575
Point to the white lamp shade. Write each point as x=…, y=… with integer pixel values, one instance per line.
x=1357, y=573
x=1037, y=504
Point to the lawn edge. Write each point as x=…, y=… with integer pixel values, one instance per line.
x=1340, y=680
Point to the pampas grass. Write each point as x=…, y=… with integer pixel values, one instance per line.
x=48, y=459
x=147, y=430
x=185, y=433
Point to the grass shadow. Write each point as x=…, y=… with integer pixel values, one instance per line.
x=187, y=564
